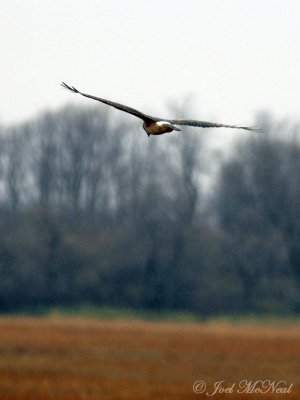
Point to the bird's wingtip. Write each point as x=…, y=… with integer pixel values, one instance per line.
x=256, y=129
x=251, y=128
x=71, y=88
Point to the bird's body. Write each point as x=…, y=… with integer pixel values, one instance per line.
x=159, y=126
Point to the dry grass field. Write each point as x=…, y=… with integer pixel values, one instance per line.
x=70, y=359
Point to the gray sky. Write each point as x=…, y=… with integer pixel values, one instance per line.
x=234, y=57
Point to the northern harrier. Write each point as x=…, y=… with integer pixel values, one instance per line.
x=159, y=126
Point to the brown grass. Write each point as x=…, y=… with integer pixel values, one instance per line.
x=70, y=359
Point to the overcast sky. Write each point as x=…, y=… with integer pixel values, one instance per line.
x=234, y=57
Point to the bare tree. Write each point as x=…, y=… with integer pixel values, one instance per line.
x=15, y=169
x=257, y=206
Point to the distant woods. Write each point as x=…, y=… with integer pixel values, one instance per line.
x=92, y=211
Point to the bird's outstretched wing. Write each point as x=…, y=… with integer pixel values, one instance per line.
x=121, y=107
x=204, y=124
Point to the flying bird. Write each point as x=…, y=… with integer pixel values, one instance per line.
x=159, y=126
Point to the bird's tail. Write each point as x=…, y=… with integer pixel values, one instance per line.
x=175, y=128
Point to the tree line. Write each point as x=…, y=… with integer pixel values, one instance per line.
x=93, y=211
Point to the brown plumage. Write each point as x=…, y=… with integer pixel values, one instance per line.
x=159, y=126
